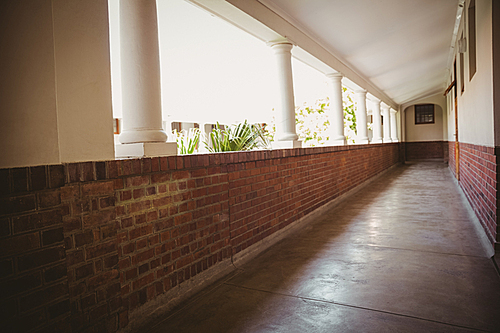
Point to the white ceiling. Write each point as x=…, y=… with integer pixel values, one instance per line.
x=401, y=46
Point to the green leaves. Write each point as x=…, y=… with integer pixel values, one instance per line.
x=187, y=141
x=239, y=137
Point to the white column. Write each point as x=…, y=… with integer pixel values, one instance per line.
x=387, y=123
x=286, y=134
x=394, y=128
x=377, y=121
x=336, y=112
x=141, y=92
x=361, y=124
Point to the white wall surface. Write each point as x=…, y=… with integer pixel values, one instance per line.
x=475, y=105
x=28, y=118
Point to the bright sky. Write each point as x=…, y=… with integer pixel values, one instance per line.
x=213, y=71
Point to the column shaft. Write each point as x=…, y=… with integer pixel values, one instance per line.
x=336, y=112
x=285, y=124
x=377, y=122
x=361, y=124
x=140, y=66
x=394, y=128
x=387, y=123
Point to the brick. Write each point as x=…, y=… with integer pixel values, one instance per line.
x=113, y=290
x=19, y=244
x=74, y=173
x=74, y=257
x=114, y=169
x=109, y=231
x=163, y=201
x=99, y=218
x=72, y=224
x=49, y=199
x=70, y=192
x=19, y=180
x=84, y=238
x=98, y=188
x=160, y=177
x=6, y=268
x=84, y=271
x=102, y=279
x=87, y=169
x=106, y=202
x=98, y=313
x=145, y=280
x=125, y=195
x=180, y=175
x=137, y=181
x=43, y=296
x=56, y=176
x=4, y=227
x=140, y=257
x=38, y=178
x=30, y=321
x=143, y=268
x=100, y=170
x=40, y=258
x=37, y=220
x=20, y=284
x=52, y=236
x=59, y=309
x=110, y=261
x=101, y=250
x=55, y=273
x=17, y=204
x=138, y=193
x=4, y=182
x=138, y=206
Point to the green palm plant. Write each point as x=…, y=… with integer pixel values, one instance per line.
x=239, y=137
x=187, y=141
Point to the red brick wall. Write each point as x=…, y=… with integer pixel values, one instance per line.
x=425, y=150
x=83, y=244
x=478, y=180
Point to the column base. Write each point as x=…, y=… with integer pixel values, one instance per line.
x=336, y=142
x=363, y=141
x=286, y=144
x=145, y=149
x=377, y=141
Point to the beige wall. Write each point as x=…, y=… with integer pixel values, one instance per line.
x=83, y=77
x=475, y=105
x=424, y=132
x=28, y=117
x=435, y=132
x=55, y=90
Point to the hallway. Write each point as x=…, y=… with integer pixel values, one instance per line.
x=400, y=255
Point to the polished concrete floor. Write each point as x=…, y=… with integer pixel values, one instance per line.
x=401, y=255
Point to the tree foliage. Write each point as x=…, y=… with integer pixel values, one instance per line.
x=312, y=121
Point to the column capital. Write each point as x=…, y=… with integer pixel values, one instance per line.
x=280, y=42
x=374, y=99
x=360, y=91
x=335, y=76
x=393, y=111
x=384, y=106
